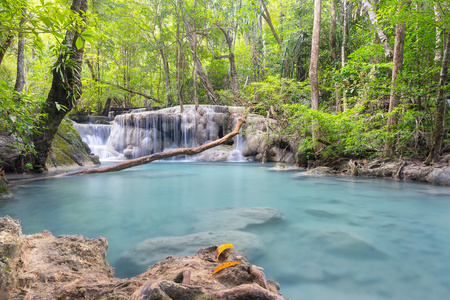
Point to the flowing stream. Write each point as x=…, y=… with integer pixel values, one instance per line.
x=320, y=238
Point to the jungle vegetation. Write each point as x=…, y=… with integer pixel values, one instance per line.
x=344, y=78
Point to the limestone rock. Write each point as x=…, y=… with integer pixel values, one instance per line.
x=152, y=250
x=319, y=171
x=41, y=266
x=236, y=218
x=439, y=176
x=68, y=150
x=8, y=154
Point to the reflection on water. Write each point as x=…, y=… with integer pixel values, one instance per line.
x=322, y=238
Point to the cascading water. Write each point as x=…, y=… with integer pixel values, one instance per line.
x=96, y=136
x=143, y=133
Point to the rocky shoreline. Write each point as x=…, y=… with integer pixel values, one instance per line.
x=41, y=266
x=407, y=170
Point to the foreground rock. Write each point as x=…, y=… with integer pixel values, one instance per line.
x=42, y=266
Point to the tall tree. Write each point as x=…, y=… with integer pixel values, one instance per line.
x=314, y=63
x=397, y=67
x=231, y=59
x=65, y=89
x=438, y=132
x=191, y=35
x=20, y=77
x=4, y=47
x=371, y=11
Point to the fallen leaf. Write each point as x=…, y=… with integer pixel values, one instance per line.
x=222, y=248
x=225, y=265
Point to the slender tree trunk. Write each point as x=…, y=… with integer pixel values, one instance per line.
x=161, y=155
x=5, y=46
x=166, y=76
x=396, y=70
x=64, y=92
x=230, y=56
x=20, y=78
x=333, y=47
x=315, y=56
x=314, y=65
x=373, y=19
x=180, y=62
x=266, y=16
x=438, y=43
x=343, y=57
x=198, y=66
x=438, y=132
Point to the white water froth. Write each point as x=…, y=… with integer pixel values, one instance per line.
x=143, y=133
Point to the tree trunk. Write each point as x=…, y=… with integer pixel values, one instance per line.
x=314, y=65
x=373, y=19
x=180, y=62
x=333, y=47
x=5, y=46
x=150, y=158
x=438, y=132
x=266, y=16
x=133, y=92
x=396, y=69
x=230, y=56
x=64, y=92
x=166, y=76
x=20, y=78
x=438, y=43
x=344, y=44
x=198, y=66
x=315, y=56
x=161, y=155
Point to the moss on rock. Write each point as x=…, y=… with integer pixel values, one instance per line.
x=68, y=149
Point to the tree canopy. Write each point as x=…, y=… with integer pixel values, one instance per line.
x=158, y=53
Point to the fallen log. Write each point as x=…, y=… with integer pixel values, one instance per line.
x=149, y=158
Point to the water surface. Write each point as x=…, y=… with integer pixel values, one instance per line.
x=340, y=238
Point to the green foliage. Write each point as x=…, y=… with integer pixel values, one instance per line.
x=18, y=119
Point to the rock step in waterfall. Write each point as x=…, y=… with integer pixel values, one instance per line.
x=143, y=133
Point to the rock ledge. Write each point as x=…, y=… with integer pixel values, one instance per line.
x=41, y=266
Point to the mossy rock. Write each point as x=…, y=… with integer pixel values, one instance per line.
x=68, y=149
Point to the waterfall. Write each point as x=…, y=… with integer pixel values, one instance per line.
x=145, y=132
x=96, y=136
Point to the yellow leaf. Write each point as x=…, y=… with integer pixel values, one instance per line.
x=222, y=248
x=225, y=265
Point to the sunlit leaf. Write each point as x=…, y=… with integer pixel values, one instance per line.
x=79, y=43
x=225, y=265
x=222, y=248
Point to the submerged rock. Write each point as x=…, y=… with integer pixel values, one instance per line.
x=236, y=218
x=41, y=266
x=152, y=250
